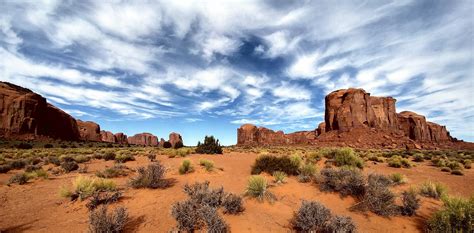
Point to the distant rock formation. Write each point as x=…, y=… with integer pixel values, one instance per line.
x=27, y=115
x=175, y=138
x=89, y=131
x=144, y=139
x=121, y=138
x=249, y=134
x=107, y=136
x=354, y=117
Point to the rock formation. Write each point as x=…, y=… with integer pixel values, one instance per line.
x=107, y=136
x=24, y=114
x=144, y=139
x=175, y=138
x=89, y=131
x=417, y=128
x=249, y=134
x=321, y=128
x=121, y=138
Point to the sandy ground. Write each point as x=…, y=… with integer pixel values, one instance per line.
x=37, y=206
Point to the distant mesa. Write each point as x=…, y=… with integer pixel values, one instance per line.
x=25, y=115
x=354, y=118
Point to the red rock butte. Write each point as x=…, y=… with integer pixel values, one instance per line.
x=25, y=115
x=354, y=118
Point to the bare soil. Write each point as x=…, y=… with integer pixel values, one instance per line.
x=38, y=207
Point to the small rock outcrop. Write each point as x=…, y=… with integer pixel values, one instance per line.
x=27, y=115
x=121, y=138
x=144, y=139
x=175, y=138
x=89, y=131
x=321, y=128
x=107, y=136
x=417, y=128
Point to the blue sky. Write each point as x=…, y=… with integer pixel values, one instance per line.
x=206, y=67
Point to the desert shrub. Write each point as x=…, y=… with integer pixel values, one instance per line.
x=53, y=160
x=124, y=157
x=203, y=195
x=109, y=155
x=378, y=198
x=34, y=160
x=69, y=166
x=467, y=163
x=454, y=165
x=457, y=172
x=271, y=163
x=438, y=162
x=314, y=156
x=340, y=224
x=347, y=157
x=214, y=222
x=20, y=179
x=232, y=204
x=37, y=173
x=178, y=145
x=446, y=169
x=48, y=146
x=310, y=217
x=31, y=168
x=18, y=164
x=83, y=187
x=81, y=158
x=257, y=188
x=375, y=158
x=433, y=189
x=103, y=198
x=296, y=160
x=24, y=145
x=151, y=177
x=306, y=172
x=342, y=180
x=397, y=178
x=207, y=164
x=186, y=167
x=410, y=202
x=210, y=146
x=100, y=221
x=187, y=215
x=398, y=162
x=151, y=157
x=418, y=157
x=279, y=177
x=5, y=168
x=167, y=144
x=111, y=172
x=457, y=215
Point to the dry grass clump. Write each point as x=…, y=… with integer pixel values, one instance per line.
x=151, y=177
x=124, y=157
x=433, y=189
x=410, y=201
x=207, y=164
x=84, y=187
x=257, y=188
x=112, y=172
x=398, y=162
x=307, y=172
x=186, y=167
x=279, y=177
x=100, y=221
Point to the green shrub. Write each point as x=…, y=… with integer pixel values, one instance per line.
x=111, y=172
x=82, y=158
x=296, y=160
x=20, y=179
x=102, y=222
x=83, y=187
x=186, y=167
x=418, y=157
x=280, y=177
x=271, y=163
x=457, y=172
x=376, y=159
x=18, y=164
x=208, y=164
x=467, y=163
x=5, y=168
x=347, y=157
x=210, y=146
x=398, y=178
x=124, y=157
x=457, y=215
x=446, y=169
x=454, y=165
x=69, y=166
x=257, y=187
x=433, y=189
x=151, y=177
x=307, y=172
x=398, y=162
x=53, y=160
x=314, y=156
x=40, y=173
x=109, y=155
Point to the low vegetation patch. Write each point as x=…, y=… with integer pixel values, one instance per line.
x=112, y=172
x=257, y=188
x=150, y=177
x=398, y=162
x=207, y=164
x=377, y=197
x=457, y=215
x=307, y=172
x=271, y=163
x=343, y=180
x=410, y=202
x=100, y=221
x=398, y=178
x=186, y=167
x=279, y=177
x=20, y=179
x=433, y=189
x=210, y=146
x=103, y=198
x=84, y=187
x=347, y=157
x=124, y=157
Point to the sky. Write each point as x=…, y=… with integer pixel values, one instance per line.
x=206, y=67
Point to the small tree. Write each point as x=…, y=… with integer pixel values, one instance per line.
x=210, y=146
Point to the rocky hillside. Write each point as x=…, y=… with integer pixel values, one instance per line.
x=353, y=117
x=25, y=115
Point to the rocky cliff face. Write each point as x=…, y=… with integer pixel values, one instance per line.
x=89, y=131
x=144, y=139
x=121, y=138
x=27, y=114
x=175, y=138
x=355, y=108
x=107, y=136
x=417, y=128
x=249, y=134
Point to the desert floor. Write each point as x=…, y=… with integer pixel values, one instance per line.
x=38, y=207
